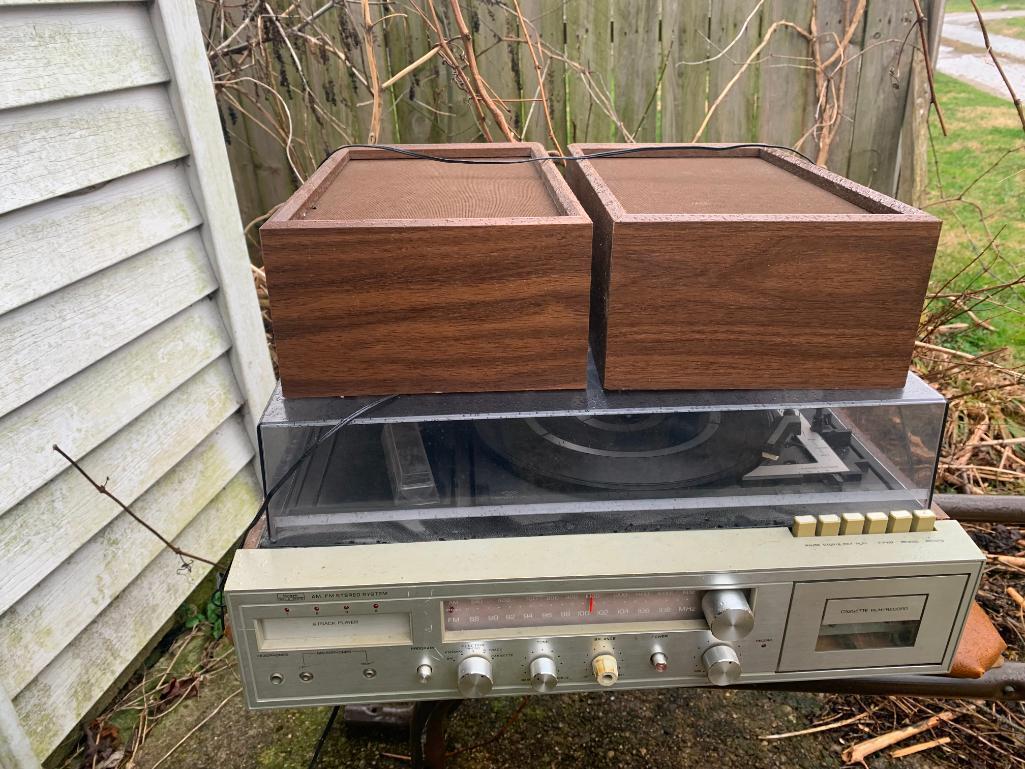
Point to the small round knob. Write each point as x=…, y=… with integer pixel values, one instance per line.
x=660, y=662
x=542, y=674
x=424, y=673
x=606, y=669
x=728, y=614
x=721, y=664
x=475, y=677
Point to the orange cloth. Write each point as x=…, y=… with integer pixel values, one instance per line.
x=980, y=647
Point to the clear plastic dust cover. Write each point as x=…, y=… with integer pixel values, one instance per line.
x=522, y=464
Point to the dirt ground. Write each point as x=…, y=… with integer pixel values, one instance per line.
x=662, y=728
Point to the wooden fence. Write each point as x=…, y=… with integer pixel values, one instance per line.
x=842, y=80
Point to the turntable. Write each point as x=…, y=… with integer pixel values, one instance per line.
x=501, y=543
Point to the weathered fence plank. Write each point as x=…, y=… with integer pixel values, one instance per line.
x=783, y=92
x=882, y=94
x=685, y=84
x=589, y=43
x=735, y=28
x=637, y=68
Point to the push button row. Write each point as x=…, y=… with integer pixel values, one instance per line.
x=893, y=522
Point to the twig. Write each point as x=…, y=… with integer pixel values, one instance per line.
x=102, y=489
x=410, y=67
x=733, y=42
x=539, y=71
x=820, y=728
x=989, y=49
x=919, y=747
x=740, y=72
x=196, y=728
x=921, y=22
x=375, y=84
x=471, y=61
x=856, y=754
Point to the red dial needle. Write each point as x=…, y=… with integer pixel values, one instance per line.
x=590, y=603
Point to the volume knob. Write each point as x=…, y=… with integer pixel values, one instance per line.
x=721, y=664
x=542, y=674
x=728, y=614
x=475, y=677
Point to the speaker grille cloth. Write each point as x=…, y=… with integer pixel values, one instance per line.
x=425, y=189
x=714, y=186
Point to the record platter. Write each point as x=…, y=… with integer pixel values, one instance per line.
x=446, y=546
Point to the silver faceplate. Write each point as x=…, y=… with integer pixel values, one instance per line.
x=316, y=626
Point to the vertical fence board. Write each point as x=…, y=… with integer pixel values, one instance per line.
x=783, y=83
x=636, y=68
x=882, y=93
x=685, y=84
x=735, y=118
x=913, y=147
x=588, y=42
x=462, y=122
x=833, y=20
x=422, y=94
x=498, y=58
x=546, y=18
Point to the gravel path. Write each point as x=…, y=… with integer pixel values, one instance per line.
x=962, y=53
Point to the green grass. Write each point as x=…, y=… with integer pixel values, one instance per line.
x=981, y=128
x=961, y=6
x=1007, y=27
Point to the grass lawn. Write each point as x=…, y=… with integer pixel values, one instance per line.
x=1007, y=27
x=981, y=128
x=962, y=6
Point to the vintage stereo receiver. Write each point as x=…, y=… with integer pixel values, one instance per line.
x=690, y=538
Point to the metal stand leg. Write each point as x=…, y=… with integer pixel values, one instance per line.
x=427, y=733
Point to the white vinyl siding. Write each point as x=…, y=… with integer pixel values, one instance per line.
x=129, y=334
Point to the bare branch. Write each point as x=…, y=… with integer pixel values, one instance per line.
x=102, y=489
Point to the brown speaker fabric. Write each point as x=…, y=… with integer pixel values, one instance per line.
x=425, y=189
x=980, y=647
x=714, y=186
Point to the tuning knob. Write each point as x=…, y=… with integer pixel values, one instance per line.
x=728, y=614
x=721, y=664
x=542, y=674
x=606, y=669
x=475, y=677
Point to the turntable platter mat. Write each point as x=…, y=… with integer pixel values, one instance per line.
x=635, y=452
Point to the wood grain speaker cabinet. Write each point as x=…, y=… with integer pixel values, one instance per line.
x=748, y=269
x=390, y=274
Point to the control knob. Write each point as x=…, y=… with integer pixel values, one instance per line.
x=475, y=678
x=606, y=669
x=721, y=664
x=542, y=674
x=728, y=614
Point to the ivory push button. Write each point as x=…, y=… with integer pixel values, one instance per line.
x=803, y=526
x=852, y=523
x=899, y=523
x=923, y=520
x=875, y=523
x=828, y=525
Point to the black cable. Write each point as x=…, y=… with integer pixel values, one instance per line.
x=618, y=152
x=345, y=421
x=315, y=759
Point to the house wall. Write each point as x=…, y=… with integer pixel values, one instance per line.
x=130, y=335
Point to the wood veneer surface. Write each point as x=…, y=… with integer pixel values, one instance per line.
x=411, y=276
x=408, y=188
x=718, y=185
x=811, y=281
